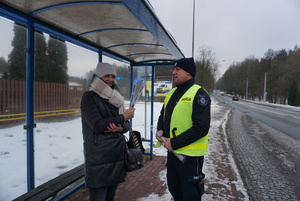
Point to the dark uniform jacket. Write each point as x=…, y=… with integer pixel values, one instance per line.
x=103, y=152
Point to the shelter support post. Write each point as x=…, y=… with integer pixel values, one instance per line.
x=152, y=112
x=100, y=55
x=29, y=105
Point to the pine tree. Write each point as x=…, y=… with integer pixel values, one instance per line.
x=123, y=78
x=17, y=57
x=42, y=65
x=58, y=56
x=293, y=94
x=3, y=68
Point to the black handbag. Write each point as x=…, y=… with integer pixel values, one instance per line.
x=134, y=159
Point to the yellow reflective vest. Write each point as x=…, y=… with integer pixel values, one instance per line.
x=182, y=120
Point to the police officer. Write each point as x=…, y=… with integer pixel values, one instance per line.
x=184, y=123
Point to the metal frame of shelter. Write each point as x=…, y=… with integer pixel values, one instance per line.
x=125, y=30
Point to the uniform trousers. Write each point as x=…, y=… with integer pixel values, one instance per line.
x=183, y=179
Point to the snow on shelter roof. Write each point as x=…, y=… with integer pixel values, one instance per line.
x=126, y=29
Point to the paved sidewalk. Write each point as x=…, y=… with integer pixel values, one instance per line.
x=146, y=181
x=138, y=184
x=222, y=181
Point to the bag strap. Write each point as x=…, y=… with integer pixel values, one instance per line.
x=136, y=143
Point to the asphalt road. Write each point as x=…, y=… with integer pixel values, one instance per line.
x=281, y=119
x=266, y=148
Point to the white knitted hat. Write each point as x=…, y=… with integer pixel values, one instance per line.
x=103, y=69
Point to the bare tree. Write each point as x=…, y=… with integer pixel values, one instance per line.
x=282, y=80
x=207, y=67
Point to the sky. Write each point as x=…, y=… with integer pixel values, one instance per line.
x=233, y=29
x=58, y=148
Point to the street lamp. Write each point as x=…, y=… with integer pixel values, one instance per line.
x=193, y=36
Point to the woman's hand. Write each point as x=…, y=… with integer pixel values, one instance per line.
x=114, y=128
x=129, y=113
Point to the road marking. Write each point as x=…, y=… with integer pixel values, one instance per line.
x=274, y=112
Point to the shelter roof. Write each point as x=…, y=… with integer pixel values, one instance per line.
x=128, y=29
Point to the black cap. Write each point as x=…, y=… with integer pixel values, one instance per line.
x=188, y=65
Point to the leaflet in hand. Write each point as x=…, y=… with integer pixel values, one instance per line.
x=136, y=94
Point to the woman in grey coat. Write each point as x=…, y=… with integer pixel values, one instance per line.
x=104, y=120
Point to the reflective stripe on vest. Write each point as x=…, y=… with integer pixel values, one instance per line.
x=182, y=120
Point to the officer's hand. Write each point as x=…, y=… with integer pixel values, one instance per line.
x=160, y=132
x=167, y=145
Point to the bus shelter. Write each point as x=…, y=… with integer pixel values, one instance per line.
x=125, y=30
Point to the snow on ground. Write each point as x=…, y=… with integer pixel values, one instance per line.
x=58, y=148
x=287, y=107
x=215, y=155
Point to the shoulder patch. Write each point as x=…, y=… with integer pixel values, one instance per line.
x=202, y=100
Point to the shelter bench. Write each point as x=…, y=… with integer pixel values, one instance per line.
x=54, y=186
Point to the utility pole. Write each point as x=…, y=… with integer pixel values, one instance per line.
x=265, y=88
x=246, y=88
